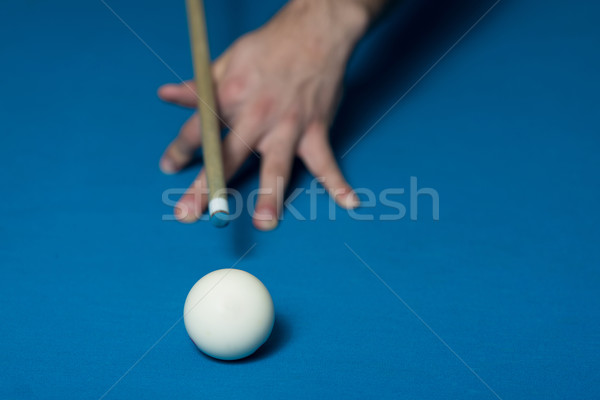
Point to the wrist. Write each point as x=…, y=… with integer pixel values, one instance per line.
x=346, y=20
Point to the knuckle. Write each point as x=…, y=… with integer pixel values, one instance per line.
x=316, y=130
x=293, y=115
x=232, y=89
x=275, y=168
x=263, y=107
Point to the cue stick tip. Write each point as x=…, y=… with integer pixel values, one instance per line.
x=218, y=209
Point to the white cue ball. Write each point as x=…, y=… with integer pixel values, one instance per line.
x=228, y=314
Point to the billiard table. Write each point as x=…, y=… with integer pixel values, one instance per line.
x=469, y=129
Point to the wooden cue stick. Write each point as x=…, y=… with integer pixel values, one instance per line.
x=207, y=109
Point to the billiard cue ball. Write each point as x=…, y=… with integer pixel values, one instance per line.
x=229, y=314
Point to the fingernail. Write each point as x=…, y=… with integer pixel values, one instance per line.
x=351, y=200
x=265, y=219
x=167, y=166
x=184, y=212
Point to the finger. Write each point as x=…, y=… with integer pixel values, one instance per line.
x=276, y=164
x=315, y=151
x=192, y=205
x=220, y=65
x=183, y=94
x=181, y=150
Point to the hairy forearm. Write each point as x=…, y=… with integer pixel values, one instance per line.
x=372, y=7
x=336, y=24
x=356, y=13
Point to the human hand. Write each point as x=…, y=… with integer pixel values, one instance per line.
x=277, y=89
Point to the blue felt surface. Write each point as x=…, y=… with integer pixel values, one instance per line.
x=499, y=294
